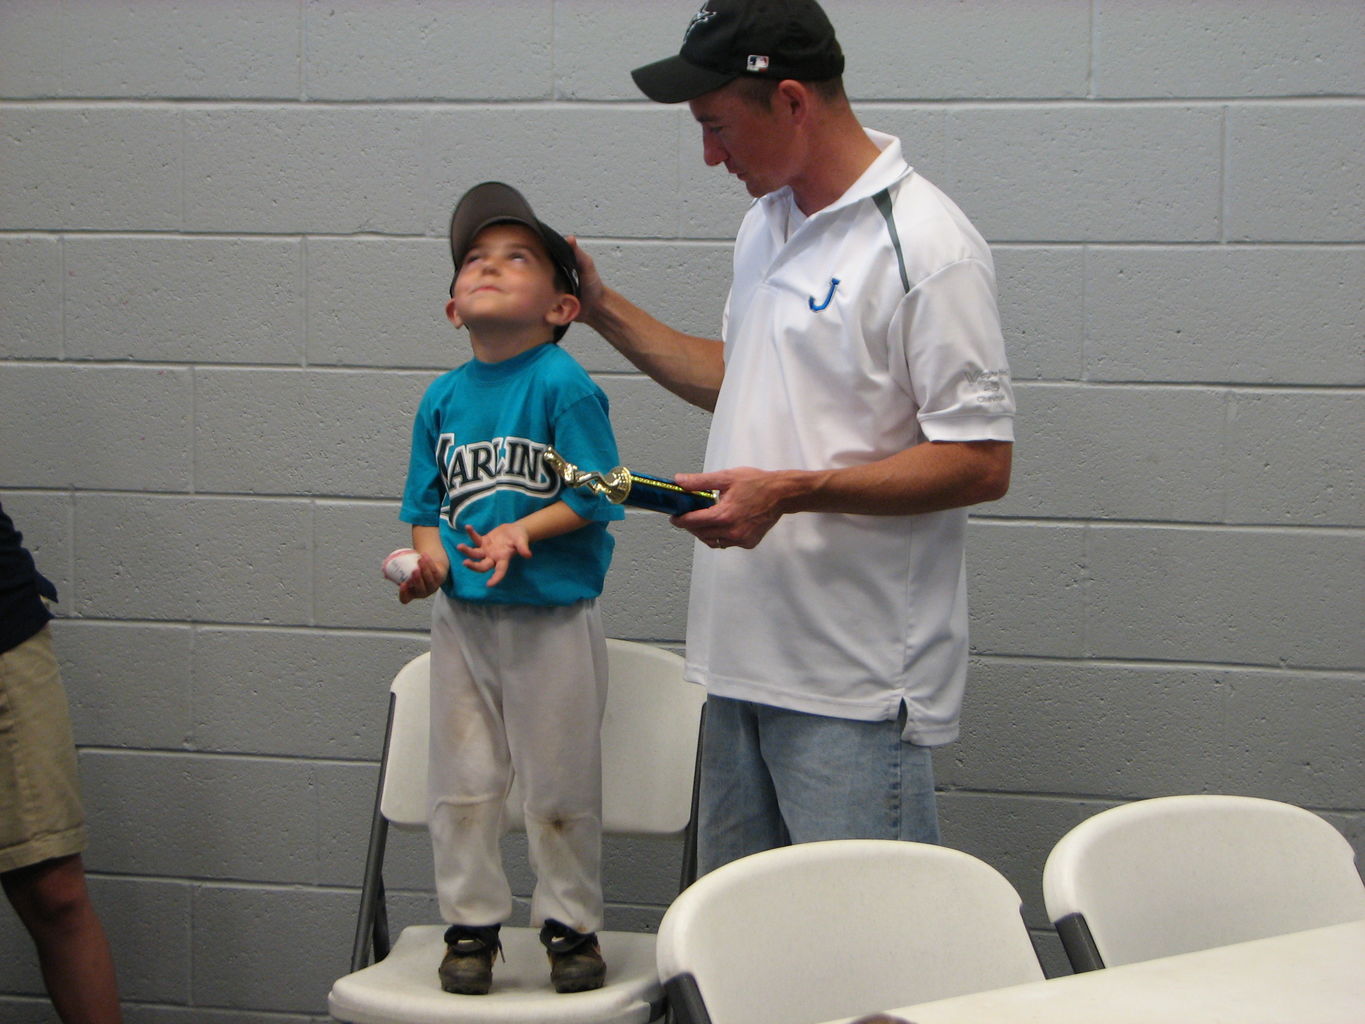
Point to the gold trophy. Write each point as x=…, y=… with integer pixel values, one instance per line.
x=622, y=487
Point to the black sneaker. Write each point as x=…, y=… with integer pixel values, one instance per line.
x=467, y=968
x=575, y=958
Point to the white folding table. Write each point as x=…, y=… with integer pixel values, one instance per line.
x=1309, y=977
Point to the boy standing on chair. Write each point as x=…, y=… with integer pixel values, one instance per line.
x=518, y=658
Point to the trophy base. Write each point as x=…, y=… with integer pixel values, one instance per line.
x=665, y=496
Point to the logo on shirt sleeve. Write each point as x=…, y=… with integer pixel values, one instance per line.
x=990, y=385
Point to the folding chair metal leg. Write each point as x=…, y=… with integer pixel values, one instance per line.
x=685, y=1004
x=372, y=924
x=1079, y=945
x=689, y=859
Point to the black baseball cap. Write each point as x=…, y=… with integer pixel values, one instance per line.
x=496, y=203
x=728, y=39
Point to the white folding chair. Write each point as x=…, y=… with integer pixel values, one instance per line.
x=825, y=930
x=649, y=750
x=1181, y=873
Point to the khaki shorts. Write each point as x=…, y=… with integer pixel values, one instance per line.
x=40, y=801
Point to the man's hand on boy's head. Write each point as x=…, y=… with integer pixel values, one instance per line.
x=495, y=549
x=590, y=287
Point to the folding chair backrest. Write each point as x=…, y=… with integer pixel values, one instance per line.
x=1176, y=874
x=403, y=800
x=833, y=929
x=649, y=744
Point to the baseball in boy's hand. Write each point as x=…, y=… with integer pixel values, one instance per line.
x=401, y=564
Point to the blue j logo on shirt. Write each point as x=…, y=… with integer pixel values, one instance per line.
x=833, y=284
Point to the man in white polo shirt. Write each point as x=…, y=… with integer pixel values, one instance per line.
x=861, y=402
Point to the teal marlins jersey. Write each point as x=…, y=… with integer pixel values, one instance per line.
x=478, y=442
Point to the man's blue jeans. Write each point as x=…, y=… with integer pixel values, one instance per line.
x=773, y=777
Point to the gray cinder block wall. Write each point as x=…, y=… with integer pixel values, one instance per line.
x=221, y=228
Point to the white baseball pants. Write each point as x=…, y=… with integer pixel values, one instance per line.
x=517, y=689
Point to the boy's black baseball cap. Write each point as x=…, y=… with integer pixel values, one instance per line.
x=496, y=203
x=728, y=39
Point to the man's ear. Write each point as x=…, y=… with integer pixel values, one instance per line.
x=566, y=307
x=451, y=314
x=793, y=99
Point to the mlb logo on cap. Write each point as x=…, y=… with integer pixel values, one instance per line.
x=757, y=62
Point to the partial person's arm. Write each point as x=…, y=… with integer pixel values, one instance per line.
x=927, y=477
x=689, y=366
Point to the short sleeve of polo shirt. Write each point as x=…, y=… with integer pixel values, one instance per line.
x=955, y=362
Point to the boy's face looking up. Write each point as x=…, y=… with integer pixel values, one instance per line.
x=507, y=287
